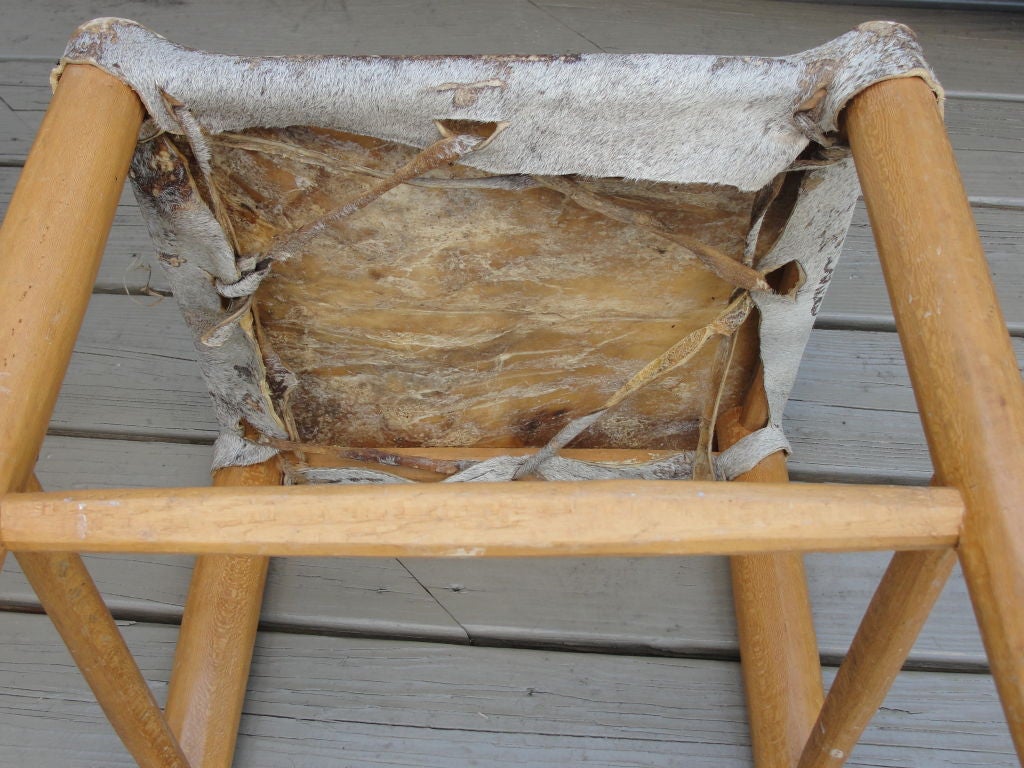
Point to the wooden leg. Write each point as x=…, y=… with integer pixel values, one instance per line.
x=77, y=610
x=778, y=646
x=218, y=630
x=898, y=611
x=50, y=248
x=958, y=353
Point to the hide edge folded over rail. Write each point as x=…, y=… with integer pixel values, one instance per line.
x=614, y=517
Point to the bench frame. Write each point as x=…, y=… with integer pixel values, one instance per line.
x=958, y=352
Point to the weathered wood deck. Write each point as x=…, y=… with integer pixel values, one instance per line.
x=611, y=662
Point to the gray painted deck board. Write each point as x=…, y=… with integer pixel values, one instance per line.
x=676, y=606
x=973, y=51
x=319, y=701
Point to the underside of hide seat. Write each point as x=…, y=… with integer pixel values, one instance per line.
x=466, y=309
x=447, y=313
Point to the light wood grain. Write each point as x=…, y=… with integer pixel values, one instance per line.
x=51, y=244
x=890, y=627
x=616, y=604
x=959, y=355
x=359, y=596
x=92, y=637
x=129, y=262
x=218, y=629
x=84, y=623
x=612, y=605
x=857, y=294
x=778, y=648
x=317, y=701
x=613, y=517
x=598, y=603
x=50, y=248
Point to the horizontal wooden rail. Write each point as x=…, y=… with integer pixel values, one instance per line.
x=614, y=517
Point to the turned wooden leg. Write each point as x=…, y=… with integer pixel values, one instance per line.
x=898, y=611
x=778, y=646
x=51, y=244
x=958, y=353
x=77, y=610
x=218, y=630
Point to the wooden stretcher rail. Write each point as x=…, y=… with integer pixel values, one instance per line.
x=615, y=517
